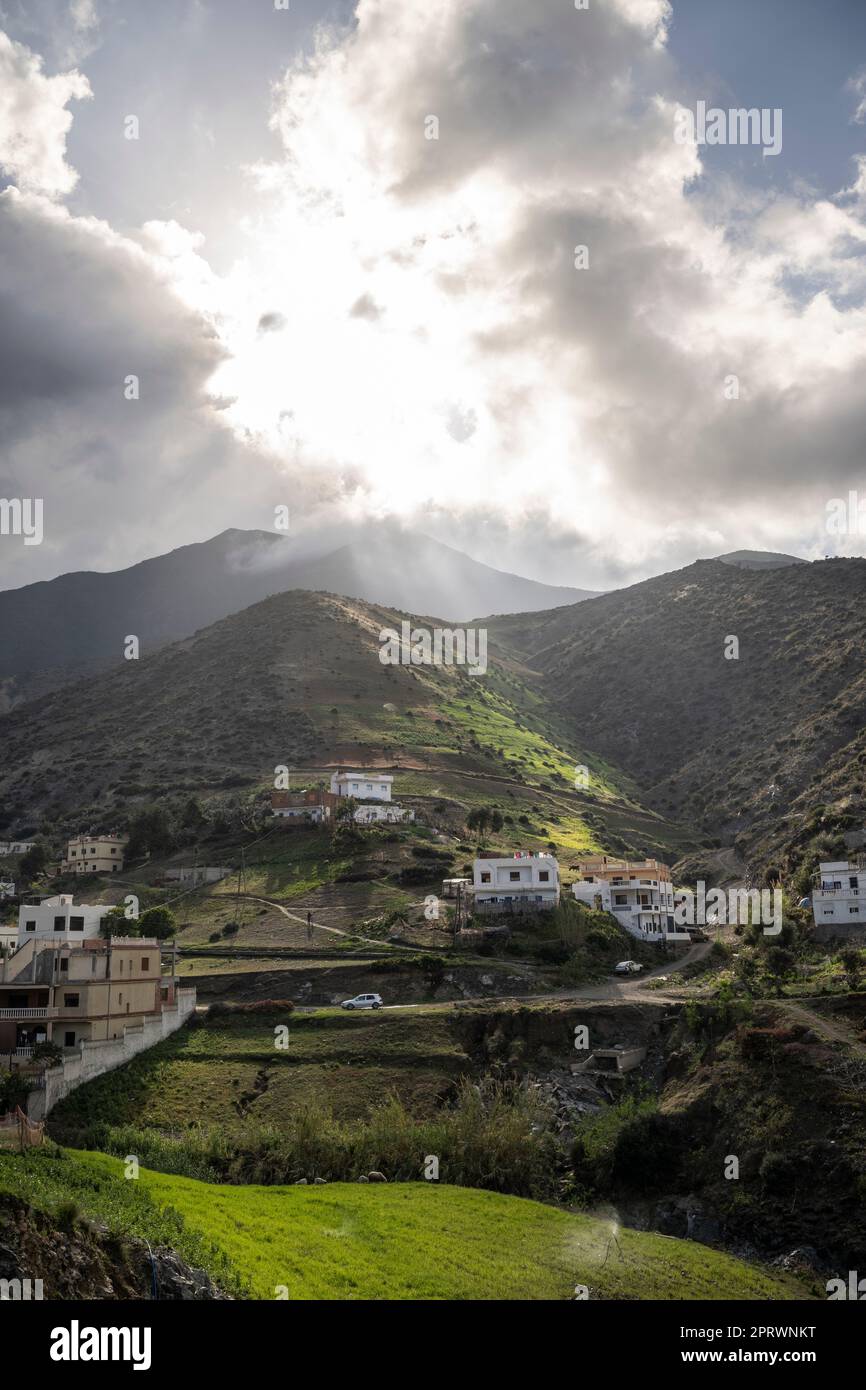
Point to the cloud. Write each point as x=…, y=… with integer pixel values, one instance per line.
x=598, y=397
x=34, y=120
x=411, y=330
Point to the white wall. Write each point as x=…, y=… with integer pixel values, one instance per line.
x=95, y=1058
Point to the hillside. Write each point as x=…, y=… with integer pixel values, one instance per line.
x=402, y=1241
x=296, y=680
x=741, y=748
x=76, y=624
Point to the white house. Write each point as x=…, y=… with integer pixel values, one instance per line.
x=525, y=881
x=196, y=874
x=639, y=895
x=391, y=814
x=839, y=899
x=59, y=919
x=365, y=786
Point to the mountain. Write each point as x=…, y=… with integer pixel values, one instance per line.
x=297, y=681
x=760, y=559
x=751, y=747
x=76, y=624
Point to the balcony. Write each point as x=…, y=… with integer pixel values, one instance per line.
x=23, y=1013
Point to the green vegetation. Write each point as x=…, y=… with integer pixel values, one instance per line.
x=404, y=1241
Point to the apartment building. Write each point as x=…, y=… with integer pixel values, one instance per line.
x=639, y=894
x=88, y=991
x=94, y=854
x=839, y=899
x=364, y=786
x=525, y=881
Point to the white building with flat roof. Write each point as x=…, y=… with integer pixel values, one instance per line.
x=364, y=786
x=839, y=898
x=59, y=919
x=525, y=881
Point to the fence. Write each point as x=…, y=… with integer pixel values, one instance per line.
x=94, y=1058
x=19, y=1132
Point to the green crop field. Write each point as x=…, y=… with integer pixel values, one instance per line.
x=419, y=1241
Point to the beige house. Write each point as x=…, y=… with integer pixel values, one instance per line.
x=88, y=991
x=94, y=854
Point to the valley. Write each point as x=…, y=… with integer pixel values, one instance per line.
x=563, y=749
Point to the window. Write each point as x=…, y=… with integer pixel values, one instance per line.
x=59, y=923
x=29, y=926
x=121, y=965
x=68, y=1039
x=70, y=1001
x=76, y=924
x=852, y=882
x=92, y=849
x=485, y=878
x=514, y=875
x=145, y=963
x=114, y=851
x=543, y=875
x=120, y=997
x=855, y=910
x=92, y=964
x=64, y=963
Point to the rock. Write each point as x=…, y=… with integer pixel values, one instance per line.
x=805, y=1257
x=301, y=1182
x=376, y=1177
x=320, y=1182
x=363, y=1178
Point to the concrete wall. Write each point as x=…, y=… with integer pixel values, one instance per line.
x=95, y=1058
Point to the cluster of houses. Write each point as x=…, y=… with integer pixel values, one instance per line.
x=640, y=895
x=370, y=790
x=66, y=984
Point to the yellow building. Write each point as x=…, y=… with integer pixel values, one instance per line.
x=87, y=992
x=94, y=854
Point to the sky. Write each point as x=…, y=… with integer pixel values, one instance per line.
x=457, y=265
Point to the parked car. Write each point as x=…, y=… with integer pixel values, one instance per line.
x=363, y=1001
x=628, y=967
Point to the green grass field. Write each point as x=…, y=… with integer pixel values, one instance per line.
x=397, y=1241
x=230, y=1073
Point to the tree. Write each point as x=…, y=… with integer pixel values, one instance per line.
x=158, y=921
x=779, y=962
x=14, y=1090
x=852, y=964
x=150, y=832
x=478, y=820
x=116, y=923
x=192, y=816
x=34, y=860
